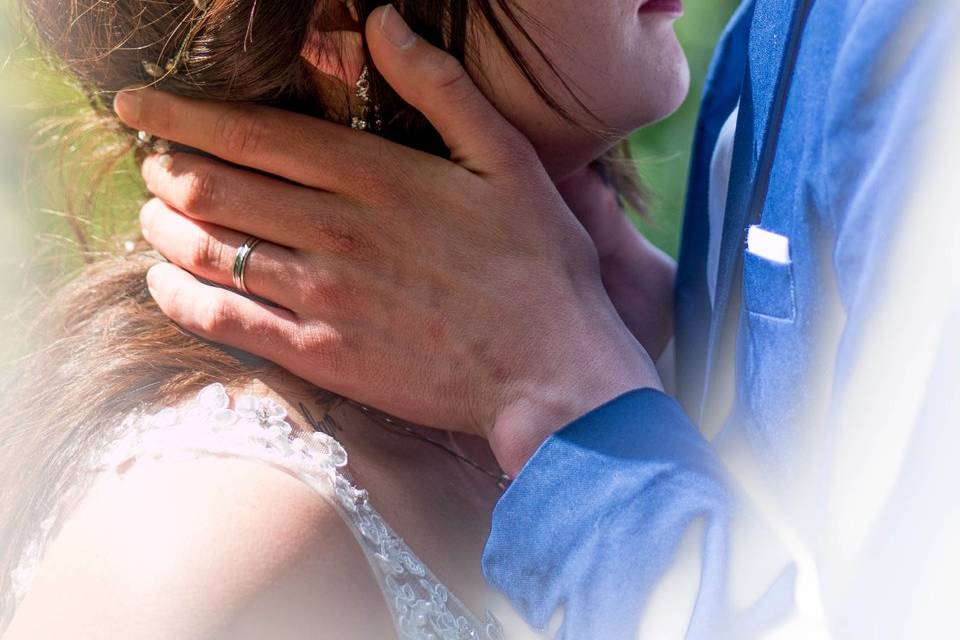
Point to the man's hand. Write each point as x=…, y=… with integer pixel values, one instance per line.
x=462, y=295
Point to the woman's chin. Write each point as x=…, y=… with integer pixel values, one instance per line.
x=564, y=154
x=669, y=92
x=677, y=95
x=650, y=94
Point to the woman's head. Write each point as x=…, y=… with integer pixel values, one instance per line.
x=573, y=76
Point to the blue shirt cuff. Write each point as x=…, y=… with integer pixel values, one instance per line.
x=596, y=514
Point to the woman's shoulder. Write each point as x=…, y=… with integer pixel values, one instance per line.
x=250, y=424
x=202, y=547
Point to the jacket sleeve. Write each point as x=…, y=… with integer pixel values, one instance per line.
x=595, y=521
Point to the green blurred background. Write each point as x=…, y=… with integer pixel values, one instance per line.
x=29, y=199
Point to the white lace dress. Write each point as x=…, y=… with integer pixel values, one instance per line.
x=256, y=428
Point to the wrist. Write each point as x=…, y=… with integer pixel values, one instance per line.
x=526, y=422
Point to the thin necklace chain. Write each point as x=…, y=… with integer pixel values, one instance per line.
x=328, y=426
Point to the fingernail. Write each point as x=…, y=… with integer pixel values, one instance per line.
x=395, y=29
x=126, y=104
x=165, y=161
x=153, y=281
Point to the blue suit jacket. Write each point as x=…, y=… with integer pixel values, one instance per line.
x=596, y=518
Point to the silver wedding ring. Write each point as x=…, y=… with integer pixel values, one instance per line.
x=240, y=262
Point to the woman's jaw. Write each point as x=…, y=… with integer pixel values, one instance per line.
x=611, y=67
x=614, y=70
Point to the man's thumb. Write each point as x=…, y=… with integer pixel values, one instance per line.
x=437, y=85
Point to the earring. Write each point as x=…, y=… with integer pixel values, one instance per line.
x=369, y=117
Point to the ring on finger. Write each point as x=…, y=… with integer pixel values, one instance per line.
x=241, y=260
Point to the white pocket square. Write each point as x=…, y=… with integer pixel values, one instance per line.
x=768, y=245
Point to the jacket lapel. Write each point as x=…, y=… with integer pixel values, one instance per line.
x=721, y=92
x=769, y=32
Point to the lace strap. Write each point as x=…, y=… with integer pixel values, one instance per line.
x=257, y=428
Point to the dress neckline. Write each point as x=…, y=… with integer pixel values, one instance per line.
x=257, y=428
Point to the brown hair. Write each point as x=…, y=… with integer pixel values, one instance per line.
x=106, y=347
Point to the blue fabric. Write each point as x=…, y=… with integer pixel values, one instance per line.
x=646, y=447
x=722, y=90
x=595, y=517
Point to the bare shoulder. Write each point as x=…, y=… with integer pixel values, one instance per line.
x=203, y=548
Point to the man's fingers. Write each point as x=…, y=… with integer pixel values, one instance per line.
x=209, y=251
x=302, y=149
x=332, y=157
x=219, y=314
x=252, y=203
x=436, y=84
x=226, y=317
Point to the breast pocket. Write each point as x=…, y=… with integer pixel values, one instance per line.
x=768, y=289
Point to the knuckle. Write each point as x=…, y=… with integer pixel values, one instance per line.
x=202, y=191
x=216, y=317
x=240, y=131
x=449, y=76
x=204, y=253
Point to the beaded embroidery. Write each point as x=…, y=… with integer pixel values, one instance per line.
x=257, y=428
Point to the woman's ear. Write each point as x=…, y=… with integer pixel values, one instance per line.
x=337, y=54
